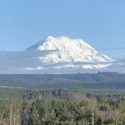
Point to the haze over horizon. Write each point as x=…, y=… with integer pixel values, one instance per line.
x=99, y=23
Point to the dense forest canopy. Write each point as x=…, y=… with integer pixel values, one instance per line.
x=67, y=99
x=20, y=106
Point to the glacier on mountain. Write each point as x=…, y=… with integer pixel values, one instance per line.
x=65, y=49
x=57, y=55
x=64, y=53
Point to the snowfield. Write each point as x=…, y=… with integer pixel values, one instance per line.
x=57, y=55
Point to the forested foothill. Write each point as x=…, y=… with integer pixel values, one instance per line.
x=101, y=80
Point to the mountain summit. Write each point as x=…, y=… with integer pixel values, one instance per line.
x=57, y=55
x=65, y=49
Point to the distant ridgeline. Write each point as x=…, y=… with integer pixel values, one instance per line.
x=92, y=80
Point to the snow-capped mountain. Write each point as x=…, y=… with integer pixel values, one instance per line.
x=64, y=53
x=64, y=49
x=56, y=55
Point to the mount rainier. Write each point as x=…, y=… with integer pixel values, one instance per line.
x=56, y=55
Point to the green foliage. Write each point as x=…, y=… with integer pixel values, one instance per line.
x=60, y=107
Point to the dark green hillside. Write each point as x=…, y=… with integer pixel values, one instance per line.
x=93, y=80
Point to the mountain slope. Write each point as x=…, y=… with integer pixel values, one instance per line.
x=58, y=55
x=64, y=49
x=66, y=55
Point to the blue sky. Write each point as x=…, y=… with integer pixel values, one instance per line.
x=99, y=22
